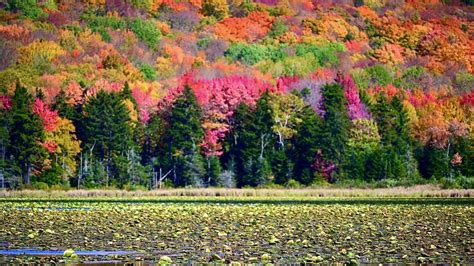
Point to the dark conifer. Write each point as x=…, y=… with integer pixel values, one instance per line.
x=183, y=138
x=26, y=133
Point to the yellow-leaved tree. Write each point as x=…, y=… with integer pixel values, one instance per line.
x=66, y=145
x=285, y=113
x=39, y=50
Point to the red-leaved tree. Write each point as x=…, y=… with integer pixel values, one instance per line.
x=49, y=117
x=356, y=108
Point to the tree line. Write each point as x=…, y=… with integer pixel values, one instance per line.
x=279, y=140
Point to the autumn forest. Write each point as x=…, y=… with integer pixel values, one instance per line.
x=236, y=93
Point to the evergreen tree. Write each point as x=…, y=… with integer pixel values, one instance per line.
x=257, y=171
x=405, y=164
x=376, y=164
x=392, y=120
x=26, y=133
x=251, y=143
x=182, y=139
x=364, y=141
x=256, y=141
x=431, y=161
x=465, y=146
x=126, y=93
x=8, y=167
x=152, y=134
x=129, y=169
x=4, y=134
x=193, y=170
x=213, y=171
x=383, y=115
x=356, y=163
x=107, y=128
x=402, y=139
x=234, y=144
x=261, y=124
x=306, y=145
x=281, y=164
x=335, y=130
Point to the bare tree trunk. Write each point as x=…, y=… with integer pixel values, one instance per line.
x=174, y=174
x=448, y=172
x=26, y=174
x=159, y=180
x=263, y=144
x=162, y=177
x=280, y=139
x=79, y=177
x=86, y=165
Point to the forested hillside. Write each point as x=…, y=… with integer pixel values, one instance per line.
x=234, y=93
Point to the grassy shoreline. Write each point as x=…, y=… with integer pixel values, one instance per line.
x=249, y=201
x=420, y=191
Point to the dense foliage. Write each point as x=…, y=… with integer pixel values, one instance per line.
x=235, y=93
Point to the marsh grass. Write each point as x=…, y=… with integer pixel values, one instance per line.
x=423, y=191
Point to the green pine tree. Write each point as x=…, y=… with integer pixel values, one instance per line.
x=213, y=171
x=5, y=122
x=107, y=129
x=376, y=165
x=8, y=167
x=355, y=167
x=182, y=139
x=392, y=120
x=336, y=125
x=431, y=161
x=282, y=165
x=383, y=115
x=152, y=135
x=465, y=146
x=306, y=145
x=26, y=133
x=256, y=141
x=401, y=120
x=250, y=144
x=234, y=144
x=193, y=170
